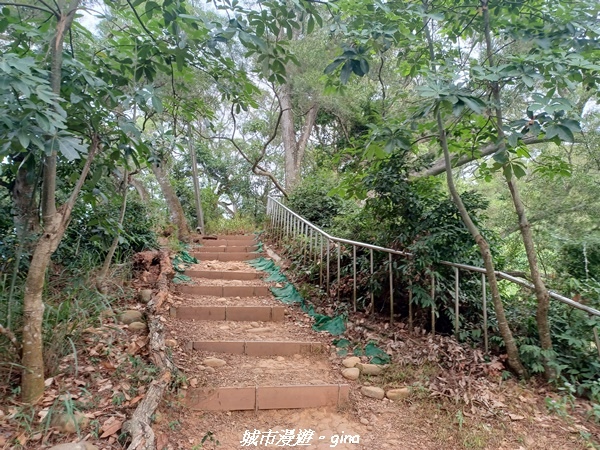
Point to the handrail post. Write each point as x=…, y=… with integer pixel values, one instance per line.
x=485, y=318
x=339, y=249
x=410, y=307
x=456, y=300
x=327, y=281
x=354, y=277
x=432, y=303
x=371, y=287
x=321, y=261
x=391, y=290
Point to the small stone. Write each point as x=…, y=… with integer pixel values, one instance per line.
x=364, y=421
x=352, y=361
x=145, y=295
x=254, y=324
x=214, y=362
x=138, y=326
x=369, y=369
x=397, y=394
x=373, y=392
x=280, y=358
x=170, y=343
x=370, y=428
x=130, y=316
x=69, y=423
x=224, y=327
x=74, y=446
x=351, y=373
x=210, y=370
x=222, y=299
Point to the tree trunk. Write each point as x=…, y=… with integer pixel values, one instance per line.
x=294, y=149
x=514, y=361
x=54, y=226
x=173, y=203
x=197, y=197
x=115, y=242
x=541, y=293
x=26, y=214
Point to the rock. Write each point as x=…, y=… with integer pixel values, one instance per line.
x=351, y=373
x=397, y=394
x=214, y=362
x=74, y=446
x=170, y=343
x=130, y=316
x=352, y=361
x=280, y=358
x=369, y=369
x=364, y=421
x=145, y=295
x=138, y=326
x=373, y=392
x=370, y=428
x=209, y=369
x=254, y=324
x=221, y=299
x=69, y=423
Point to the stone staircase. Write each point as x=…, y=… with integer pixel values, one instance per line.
x=251, y=354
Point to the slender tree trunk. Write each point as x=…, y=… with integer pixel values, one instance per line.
x=512, y=351
x=54, y=226
x=294, y=149
x=173, y=203
x=115, y=242
x=26, y=213
x=198, y=198
x=541, y=293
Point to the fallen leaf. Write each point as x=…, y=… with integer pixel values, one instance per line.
x=515, y=417
x=110, y=427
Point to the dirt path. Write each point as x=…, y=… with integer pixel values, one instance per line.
x=361, y=423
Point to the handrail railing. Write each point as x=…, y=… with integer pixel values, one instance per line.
x=290, y=223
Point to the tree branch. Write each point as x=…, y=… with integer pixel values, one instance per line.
x=22, y=5
x=438, y=166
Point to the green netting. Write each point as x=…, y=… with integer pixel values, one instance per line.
x=377, y=355
x=277, y=277
x=289, y=295
x=182, y=261
x=266, y=265
x=181, y=278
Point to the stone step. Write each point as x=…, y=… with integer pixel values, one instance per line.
x=229, y=249
x=226, y=256
x=223, y=274
x=227, y=243
x=259, y=348
x=226, y=291
x=231, y=237
x=231, y=313
x=267, y=397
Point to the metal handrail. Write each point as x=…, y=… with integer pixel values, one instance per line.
x=292, y=223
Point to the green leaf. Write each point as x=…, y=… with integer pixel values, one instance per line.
x=71, y=147
x=157, y=104
x=334, y=65
x=310, y=26
x=346, y=72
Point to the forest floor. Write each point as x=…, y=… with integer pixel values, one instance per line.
x=457, y=399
